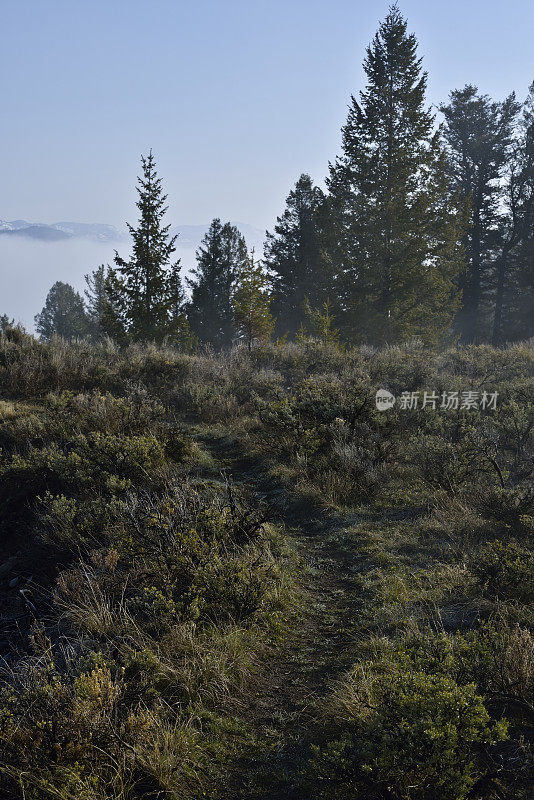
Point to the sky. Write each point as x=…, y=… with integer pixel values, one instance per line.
x=236, y=98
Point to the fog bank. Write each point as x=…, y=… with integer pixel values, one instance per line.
x=29, y=268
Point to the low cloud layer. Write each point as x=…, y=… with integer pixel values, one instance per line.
x=28, y=269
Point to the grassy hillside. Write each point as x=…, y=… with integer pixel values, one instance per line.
x=233, y=577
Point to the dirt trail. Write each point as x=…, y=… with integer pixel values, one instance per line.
x=319, y=649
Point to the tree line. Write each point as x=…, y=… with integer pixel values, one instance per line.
x=424, y=230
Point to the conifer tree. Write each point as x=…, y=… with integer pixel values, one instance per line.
x=394, y=234
x=479, y=136
x=523, y=275
x=251, y=302
x=294, y=258
x=6, y=323
x=514, y=269
x=63, y=314
x=319, y=325
x=105, y=305
x=179, y=331
x=114, y=320
x=143, y=289
x=210, y=311
x=95, y=300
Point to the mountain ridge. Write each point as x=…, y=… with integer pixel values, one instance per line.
x=189, y=236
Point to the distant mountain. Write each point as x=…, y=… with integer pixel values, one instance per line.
x=44, y=233
x=90, y=230
x=189, y=236
x=16, y=223
x=61, y=230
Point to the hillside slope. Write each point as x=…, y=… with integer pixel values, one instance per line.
x=235, y=577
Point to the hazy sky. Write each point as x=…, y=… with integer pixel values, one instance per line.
x=236, y=97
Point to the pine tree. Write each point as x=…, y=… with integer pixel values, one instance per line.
x=319, y=325
x=479, y=135
x=394, y=234
x=294, y=258
x=95, y=296
x=114, y=320
x=105, y=305
x=514, y=299
x=251, y=303
x=525, y=255
x=63, y=314
x=143, y=290
x=210, y=311
x=6, y=323
x=179, y=331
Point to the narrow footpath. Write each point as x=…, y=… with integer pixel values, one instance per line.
x=319, y=648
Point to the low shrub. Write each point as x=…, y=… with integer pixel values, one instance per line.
x=410, y=735
x=505, y=571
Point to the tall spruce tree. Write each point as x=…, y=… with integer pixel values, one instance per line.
x=144, y=288
x=479, y=136
x=210, y=312
x=293, y=257
x=524, y=265
x=514, y=293
x=394, y=233
x=63, y=314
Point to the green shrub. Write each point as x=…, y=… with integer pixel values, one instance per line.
x=505, y=571
x=412, y=736
x=331, y=438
